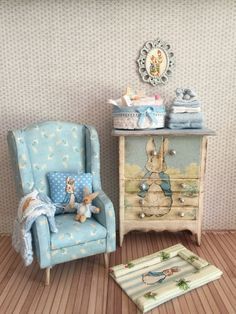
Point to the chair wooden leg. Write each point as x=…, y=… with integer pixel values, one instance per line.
x=106, y=260
x=47, y=276
x=198, y=238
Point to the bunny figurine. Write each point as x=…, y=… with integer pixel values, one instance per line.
x=155, y=190
x=85, y=209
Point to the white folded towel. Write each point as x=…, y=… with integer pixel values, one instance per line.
x=178, y=109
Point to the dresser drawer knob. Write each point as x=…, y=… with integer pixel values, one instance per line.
x=183, y=185
x=141, y=215
x=181, y=214
x=181, y=200
x=144, y=187
x=172, y=152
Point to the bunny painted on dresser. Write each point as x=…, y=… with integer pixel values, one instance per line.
x=155, y=190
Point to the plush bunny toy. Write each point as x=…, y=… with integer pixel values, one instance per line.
x=85, y=209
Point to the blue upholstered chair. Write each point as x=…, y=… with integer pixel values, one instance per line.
x=69, y=147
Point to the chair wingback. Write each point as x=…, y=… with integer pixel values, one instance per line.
x=52, y=146
x=93, y=156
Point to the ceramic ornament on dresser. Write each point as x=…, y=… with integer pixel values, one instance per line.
x=161, y=176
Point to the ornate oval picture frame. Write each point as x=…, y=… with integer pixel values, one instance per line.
x=156, y=62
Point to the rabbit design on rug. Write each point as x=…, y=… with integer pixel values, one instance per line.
x=155, y=189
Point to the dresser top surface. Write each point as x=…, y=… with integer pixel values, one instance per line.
x=164, y=131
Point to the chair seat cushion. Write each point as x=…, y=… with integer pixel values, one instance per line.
x=71, y=232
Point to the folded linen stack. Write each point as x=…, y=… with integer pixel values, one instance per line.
x=185, y=112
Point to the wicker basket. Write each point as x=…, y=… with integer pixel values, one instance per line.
x=138, y=117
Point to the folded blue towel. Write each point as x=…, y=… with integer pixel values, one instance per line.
x=185, y=125
x=186, y=103
x=185, y=117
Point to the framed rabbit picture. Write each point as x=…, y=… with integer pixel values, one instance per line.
x=156, y=62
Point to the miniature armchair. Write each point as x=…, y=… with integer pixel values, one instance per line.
x=62, y=146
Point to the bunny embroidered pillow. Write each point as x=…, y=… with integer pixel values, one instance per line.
x=67, y=187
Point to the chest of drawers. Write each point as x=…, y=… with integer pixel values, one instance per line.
x=161, y=175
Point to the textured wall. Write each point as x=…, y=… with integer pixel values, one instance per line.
x=64, y=59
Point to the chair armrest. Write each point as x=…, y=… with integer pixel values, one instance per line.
x=106, y=217
x=41, y=240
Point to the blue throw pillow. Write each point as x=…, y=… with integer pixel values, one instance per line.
x=57, y=185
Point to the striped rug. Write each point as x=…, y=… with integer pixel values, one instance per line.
x=154, y=279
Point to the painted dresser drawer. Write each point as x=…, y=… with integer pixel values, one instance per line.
x=183, y=157
x=176, y=213
x=188, y=187
x=159, y=199
x=179, y=157
x=176, y=200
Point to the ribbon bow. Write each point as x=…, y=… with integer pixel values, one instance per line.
x=146, y=112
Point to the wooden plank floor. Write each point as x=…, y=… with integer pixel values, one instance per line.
x=83, y=286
